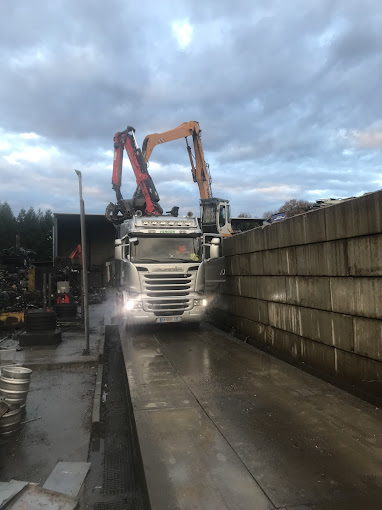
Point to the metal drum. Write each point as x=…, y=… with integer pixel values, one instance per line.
x=14, y=384
x=7, y=383
x=16, y=372
x=13, y=407
x=10, y=422
x=11, y=397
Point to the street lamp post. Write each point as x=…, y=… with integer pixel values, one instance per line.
x=84, y=266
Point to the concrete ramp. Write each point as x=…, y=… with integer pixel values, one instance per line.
x=222, y=425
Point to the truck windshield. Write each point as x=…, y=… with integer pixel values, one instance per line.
x=165, y=249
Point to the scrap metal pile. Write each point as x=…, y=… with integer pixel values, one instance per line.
x=14, y=293
x=16, y=298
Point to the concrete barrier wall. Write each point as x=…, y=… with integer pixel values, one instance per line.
x=310, y=288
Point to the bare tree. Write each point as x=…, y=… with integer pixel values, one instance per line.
x=244, y=215
x=268, y=214
x=294, y=206
x=291, y=208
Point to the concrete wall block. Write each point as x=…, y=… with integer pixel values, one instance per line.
x=316, y=325
x=252, y=240
x=284, y=342
x=342, y=331
x=267, y=288
x=252, y=309
x=249, y=286
x=251, y=329
x=245, y=264
x=314, y=354
x=231, y=286
x=235, y=265
x=368, y=214
x=318, y=355
x=229, y=262
x=359, y=371
x=280, y=262
x=285, y=317
x=339, y=221
x=364, y=254
x=308, y=291
x=238, y=306
x=257, y=239
x=322, y=259
x=297, y=226
x=239, y=243
x=355, y=217
x=229, y=246
x=357, y=296
x=245, y=242
x=315, y=226
x=368, y=338
x=277, y=235
x=256, y=263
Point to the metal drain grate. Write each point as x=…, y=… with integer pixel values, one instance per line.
x=123, y=486
x=117, y=448
x=121, y=504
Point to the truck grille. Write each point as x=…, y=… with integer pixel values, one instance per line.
x=167, y=294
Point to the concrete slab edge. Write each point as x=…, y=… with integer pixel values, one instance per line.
x=63, y=364
x=96, y=413
x=101, y=349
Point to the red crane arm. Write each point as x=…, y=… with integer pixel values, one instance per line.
x=126, y=139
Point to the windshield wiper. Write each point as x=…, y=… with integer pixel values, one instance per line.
x=146, y=260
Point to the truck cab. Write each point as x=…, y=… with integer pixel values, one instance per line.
x=160, y=274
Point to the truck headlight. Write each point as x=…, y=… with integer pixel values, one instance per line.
x=132, y=304
x=129, y=305
x=200, y=302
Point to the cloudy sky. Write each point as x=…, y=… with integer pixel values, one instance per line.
x=287, y=93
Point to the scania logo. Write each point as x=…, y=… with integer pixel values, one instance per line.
x=168, y=268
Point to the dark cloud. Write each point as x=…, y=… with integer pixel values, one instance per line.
x=287, y=98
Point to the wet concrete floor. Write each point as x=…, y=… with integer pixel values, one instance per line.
x=222, y=425
x=61, y=400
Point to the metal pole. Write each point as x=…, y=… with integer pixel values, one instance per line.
x=84, y=266
x=50, y=290
x=44, y=291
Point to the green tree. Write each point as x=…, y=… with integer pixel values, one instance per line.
x=35, y=229
x=7, y=226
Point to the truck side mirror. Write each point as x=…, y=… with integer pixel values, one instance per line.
x=214, y=248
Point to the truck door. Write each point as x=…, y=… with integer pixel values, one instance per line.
x=214, y=268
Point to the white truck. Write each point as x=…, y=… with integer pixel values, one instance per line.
x=161, y=267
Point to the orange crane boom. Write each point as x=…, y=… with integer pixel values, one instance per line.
x=200, y=171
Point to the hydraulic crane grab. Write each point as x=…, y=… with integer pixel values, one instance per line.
x=146, y=198
x=215, y=211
